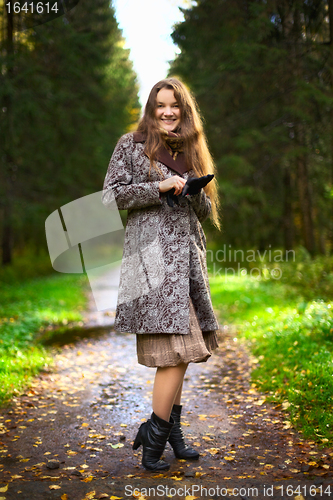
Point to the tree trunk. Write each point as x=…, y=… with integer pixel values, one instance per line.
x=7, y=231
x=304, y=192
x=303, y=183
x=330, y=15
x=288, y=226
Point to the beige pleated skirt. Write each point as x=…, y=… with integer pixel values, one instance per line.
x=170, y=349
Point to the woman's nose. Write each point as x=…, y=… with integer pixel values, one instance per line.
x=168, y=111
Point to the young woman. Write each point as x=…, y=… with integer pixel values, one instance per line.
x=162, y=174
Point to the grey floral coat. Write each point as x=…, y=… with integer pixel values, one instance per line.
x=164, y=255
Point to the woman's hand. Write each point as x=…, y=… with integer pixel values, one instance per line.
x=175, y=182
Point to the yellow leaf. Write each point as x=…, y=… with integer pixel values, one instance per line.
x=54, y=487
x=85, y=425
x=190, y=497
x=176, y=478
x=64, y=497
x=118, y=445
x=138, y=496
x=84, y=466
x=90, y=495
x=4, y=489
x=199, y=474
x=213, y=451
x=123, y=425
x=115, y=498
x=299, y=497
x=228, y=458
x=326, y=466
x=88, y=479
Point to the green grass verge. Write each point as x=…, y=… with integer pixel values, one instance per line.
x=290, y=331
x=26, y=308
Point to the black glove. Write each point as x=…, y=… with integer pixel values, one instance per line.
x=194, y=184
x=172, y=198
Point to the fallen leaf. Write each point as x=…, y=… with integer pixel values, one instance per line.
x=118, y=445
x=90, y=495
x=64, y=497
x=213, y=451
x=4, y=489
x=199, y=474
x=176, y=478
x=115, y=498
x=88, y=479
x=54, y=487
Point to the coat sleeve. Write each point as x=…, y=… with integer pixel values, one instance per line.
x=201, y=205
x=119, y=181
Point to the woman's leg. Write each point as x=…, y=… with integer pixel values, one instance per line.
x=167, y=387
x=178, y=395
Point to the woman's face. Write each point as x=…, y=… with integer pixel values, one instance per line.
x=167, y=110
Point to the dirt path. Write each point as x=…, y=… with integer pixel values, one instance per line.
x=70, y=436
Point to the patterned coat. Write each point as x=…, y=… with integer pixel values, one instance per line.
x=164, y=255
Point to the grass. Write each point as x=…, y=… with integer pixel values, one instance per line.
x=289, y=325
x=27, y=306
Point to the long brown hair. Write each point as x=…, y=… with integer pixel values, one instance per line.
x=197, y=155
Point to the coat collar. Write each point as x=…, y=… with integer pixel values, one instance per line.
x=178, y=165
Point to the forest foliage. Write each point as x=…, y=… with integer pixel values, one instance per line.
x=68, y=92
x=261, y=71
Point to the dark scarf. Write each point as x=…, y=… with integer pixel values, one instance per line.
x=173, y=142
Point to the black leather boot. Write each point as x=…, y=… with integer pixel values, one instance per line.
x=153, y=436
x=176, y=438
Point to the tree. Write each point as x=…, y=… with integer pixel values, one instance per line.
x=73, y=93
x=258, y=70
